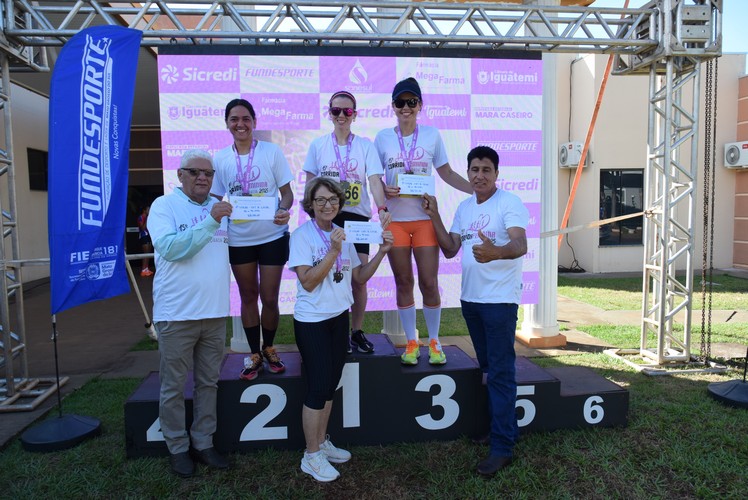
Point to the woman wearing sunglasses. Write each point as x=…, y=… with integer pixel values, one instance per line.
x=410, y=148
x=326, y=267
x=258, y=249
x=352, y=161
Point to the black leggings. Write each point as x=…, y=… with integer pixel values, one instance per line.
x=323, y=349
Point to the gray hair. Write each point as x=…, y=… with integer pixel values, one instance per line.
x=192, y=154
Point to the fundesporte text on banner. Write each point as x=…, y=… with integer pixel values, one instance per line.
x=91, y=97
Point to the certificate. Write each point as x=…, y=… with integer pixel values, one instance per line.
x=362, y=232
x=253, y=207
x=415, y=185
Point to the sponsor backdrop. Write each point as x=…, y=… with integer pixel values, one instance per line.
x=91, y=96
x=493, y=102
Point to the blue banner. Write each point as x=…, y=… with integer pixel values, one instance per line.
x=93, y=84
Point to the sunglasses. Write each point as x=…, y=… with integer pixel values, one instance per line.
x=412, y=102
x=346, y=111
x=195, y=172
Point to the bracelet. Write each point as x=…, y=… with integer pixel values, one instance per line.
x=379, y=209
x=282, y=208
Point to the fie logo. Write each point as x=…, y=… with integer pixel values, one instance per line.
x=169, y=74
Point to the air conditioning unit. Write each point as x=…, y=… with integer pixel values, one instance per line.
x=736, y=154
x=569, y=154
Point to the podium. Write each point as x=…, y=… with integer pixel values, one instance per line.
x=380, y=401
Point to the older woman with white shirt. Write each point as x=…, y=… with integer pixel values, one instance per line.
x=325, y=266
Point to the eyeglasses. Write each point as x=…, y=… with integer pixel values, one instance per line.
x=321, y=202
x=412, y=102
x=195, y=172
x=346, y=111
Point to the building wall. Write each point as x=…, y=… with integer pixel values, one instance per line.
x=740, y=241
x=619, y=141
x=30, y=113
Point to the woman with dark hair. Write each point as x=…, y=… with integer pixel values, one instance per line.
x=352, y=161
x=258, y=249
x=413, y=149
x=325, y=266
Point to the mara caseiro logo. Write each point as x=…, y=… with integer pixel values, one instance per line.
x=169, y=74
x=358, y=75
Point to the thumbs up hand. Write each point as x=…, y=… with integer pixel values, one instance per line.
x=486, y=251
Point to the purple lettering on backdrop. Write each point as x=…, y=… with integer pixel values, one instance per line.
x=446, y=112
x=175, y=143
x=530, y=283
x=357, y=75
x=508, y=77
x=533, y=226
x=290, y=112
x=516, y=148
x=198, y=74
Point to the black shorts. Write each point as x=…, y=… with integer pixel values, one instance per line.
x=340, y=221
x=145, y=240
x=272, y=253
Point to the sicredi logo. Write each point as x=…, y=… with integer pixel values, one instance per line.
x=170, y=75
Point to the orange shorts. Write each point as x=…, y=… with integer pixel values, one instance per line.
x=417, y=233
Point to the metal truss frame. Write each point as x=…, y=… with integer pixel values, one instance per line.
x=666, y=38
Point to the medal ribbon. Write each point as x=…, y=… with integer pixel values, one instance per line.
x=409, y=157
x=343, y=166
x=243, y=176
x=326, y=241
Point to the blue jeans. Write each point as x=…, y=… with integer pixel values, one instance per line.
x=491, y=328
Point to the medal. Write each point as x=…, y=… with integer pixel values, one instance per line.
x=337, y=276
x=342, y=167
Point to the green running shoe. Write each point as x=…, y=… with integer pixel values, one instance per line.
x=436, y=355
x=411, y=354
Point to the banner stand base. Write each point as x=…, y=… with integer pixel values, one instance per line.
x=60, y=433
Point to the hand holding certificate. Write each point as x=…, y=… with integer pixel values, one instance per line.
x=362, y=232
x=253, y=207
x=416, y=185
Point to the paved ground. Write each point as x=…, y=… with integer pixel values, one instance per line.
x=95, y=340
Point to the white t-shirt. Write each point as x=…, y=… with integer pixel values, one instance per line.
x=328, y=299
x=362, y=163
x=270, y=171
x=196, y=287
x=498, y=281
x=429, y=153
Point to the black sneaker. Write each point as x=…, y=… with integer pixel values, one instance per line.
x=358, y=340
x=350, y=348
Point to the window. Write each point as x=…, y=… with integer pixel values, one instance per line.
x=621, y=193
x=37, y=169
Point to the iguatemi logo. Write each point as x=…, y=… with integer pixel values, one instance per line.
x=358, y=74
x=169, y=74
x=506, y=77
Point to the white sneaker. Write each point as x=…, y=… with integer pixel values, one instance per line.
x=317, y=466
x=334, y=454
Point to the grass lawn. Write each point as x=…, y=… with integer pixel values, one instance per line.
x=679, y=444
x=611, y=294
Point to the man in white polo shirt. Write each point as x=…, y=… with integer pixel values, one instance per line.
x=490, y=227
x=190, y=306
